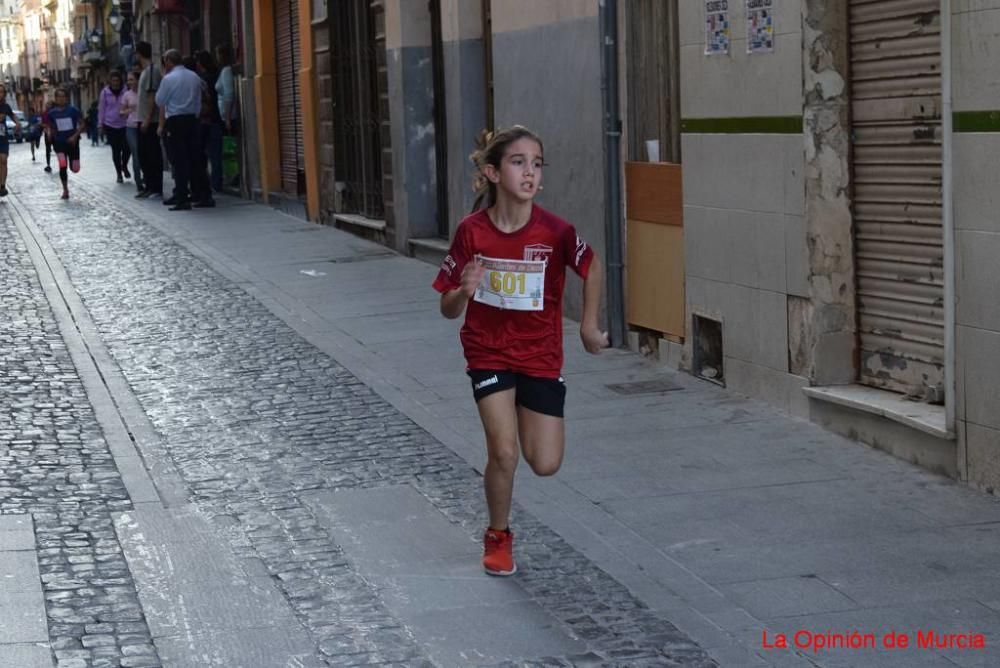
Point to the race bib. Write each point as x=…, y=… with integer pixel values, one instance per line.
x=64, y=124
x=516, y=285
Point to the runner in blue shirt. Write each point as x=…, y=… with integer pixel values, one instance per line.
x=5, y=113
x=65, y=125
x=34, y=131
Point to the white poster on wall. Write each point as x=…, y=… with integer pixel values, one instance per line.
x=716, y=27
x=760, y=26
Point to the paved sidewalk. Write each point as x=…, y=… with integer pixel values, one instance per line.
x=721, y=514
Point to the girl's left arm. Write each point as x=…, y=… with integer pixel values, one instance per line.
x=590, y=332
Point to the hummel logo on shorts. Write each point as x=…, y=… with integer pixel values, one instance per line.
x=492, y=380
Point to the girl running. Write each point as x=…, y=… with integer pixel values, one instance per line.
x=5, y=113
x=65, y=125
x=111, y=120
x=506, y=269
x=47, y=137
x=34, y=131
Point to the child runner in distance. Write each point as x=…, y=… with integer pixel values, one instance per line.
x=34, y=131
x=506, y=269
x=65, y=125
x=5, y=113
x=46, y=136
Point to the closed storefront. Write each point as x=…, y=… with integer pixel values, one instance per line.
x=290, y=125
x=896, y=118
x=361, y=109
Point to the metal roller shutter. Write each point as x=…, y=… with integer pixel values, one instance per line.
x=362, y=143
x=896, y=116
x=286, y=38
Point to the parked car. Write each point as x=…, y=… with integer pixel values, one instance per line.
x=23, y=120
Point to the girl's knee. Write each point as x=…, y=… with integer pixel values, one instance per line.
x=545, y=466
x=504, y=457
x=75, y=166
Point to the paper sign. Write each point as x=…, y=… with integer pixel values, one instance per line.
x=760, y=26
x=716, y=27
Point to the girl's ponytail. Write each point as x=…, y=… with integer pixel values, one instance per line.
x=484, y=189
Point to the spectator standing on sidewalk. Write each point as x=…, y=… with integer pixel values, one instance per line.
x=211, y=126
x=93, y=129
x=506, y=269
x=150, y=151
x=111, y=120
x=179, y=99
x=225, y=87
x=201, y=187
x=130, y=110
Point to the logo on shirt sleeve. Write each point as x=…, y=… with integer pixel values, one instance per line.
x=581, y=248
x=448, y=265
x=536, y=252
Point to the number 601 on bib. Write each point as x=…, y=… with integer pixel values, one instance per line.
x=516, y=285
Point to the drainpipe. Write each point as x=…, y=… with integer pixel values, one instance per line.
x=612, y=171
x=947, y=218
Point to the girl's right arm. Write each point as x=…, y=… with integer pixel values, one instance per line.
x=453, y=302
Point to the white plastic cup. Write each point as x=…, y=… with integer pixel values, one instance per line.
x=653, y=150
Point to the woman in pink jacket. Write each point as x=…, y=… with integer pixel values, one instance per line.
x=111, y=120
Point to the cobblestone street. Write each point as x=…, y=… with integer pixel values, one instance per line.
x=254, y=422
x=56, y=466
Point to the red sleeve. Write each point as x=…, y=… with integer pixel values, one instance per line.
x=450, y=276
x=577, y=252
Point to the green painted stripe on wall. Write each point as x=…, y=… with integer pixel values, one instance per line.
x=744, y=125
x=976, y=121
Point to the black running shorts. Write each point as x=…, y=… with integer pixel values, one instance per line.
x=71, y=151
x=542, y=395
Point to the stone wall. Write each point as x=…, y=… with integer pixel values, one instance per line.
x=746, y=220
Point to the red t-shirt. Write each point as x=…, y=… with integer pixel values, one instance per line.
x=528, y=342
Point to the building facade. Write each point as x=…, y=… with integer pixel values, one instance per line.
x=11, y=45
x=837, y=224
x=825, y=243
x=792, y=196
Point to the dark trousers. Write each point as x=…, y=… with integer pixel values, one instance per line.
x=151, y=160
x=132, y=137
x=201, y=190
x=186, y=154
x=119, y=148
x=213, y=147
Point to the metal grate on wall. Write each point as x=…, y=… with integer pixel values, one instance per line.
x=899, y=255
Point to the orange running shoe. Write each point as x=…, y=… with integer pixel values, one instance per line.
x=498, y=552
